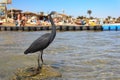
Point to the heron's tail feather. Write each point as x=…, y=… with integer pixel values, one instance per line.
x=26, y=52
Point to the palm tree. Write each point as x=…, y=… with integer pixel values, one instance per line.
x=89, y=12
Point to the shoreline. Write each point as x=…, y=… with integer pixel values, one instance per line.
x=34, y=25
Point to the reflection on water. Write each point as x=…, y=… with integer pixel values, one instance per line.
x=80, y=55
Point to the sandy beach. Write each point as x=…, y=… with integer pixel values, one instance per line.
x=12, y=24
x=34, y=25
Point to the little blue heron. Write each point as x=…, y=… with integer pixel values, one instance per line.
x=42, y=42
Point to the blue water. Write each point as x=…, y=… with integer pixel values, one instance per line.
x=79, y=55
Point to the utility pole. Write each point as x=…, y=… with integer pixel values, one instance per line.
x=5, y=13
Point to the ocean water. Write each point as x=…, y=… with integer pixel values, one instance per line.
x=79, y=55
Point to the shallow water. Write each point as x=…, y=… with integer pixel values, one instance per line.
x=80, y=55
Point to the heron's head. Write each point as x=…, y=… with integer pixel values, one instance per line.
x=53, y=12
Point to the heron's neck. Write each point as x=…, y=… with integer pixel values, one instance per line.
x=53, y=33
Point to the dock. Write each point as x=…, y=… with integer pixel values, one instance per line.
x=61, y=28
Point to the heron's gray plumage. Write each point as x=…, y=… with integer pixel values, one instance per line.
x=42, y=42
x=39, y=44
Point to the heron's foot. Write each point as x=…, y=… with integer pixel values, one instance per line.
x=43, y=64
x=34, y=71
x=39, y=69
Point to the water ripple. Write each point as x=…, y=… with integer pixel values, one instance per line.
x=80, y=55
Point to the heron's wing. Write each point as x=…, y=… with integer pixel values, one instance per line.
x=40, y=43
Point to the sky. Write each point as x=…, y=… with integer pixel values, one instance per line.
x=99, y=8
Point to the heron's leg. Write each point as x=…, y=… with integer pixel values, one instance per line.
x=41, y=56
x=39, y=66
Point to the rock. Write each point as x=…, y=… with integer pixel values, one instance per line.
x=29, y=73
